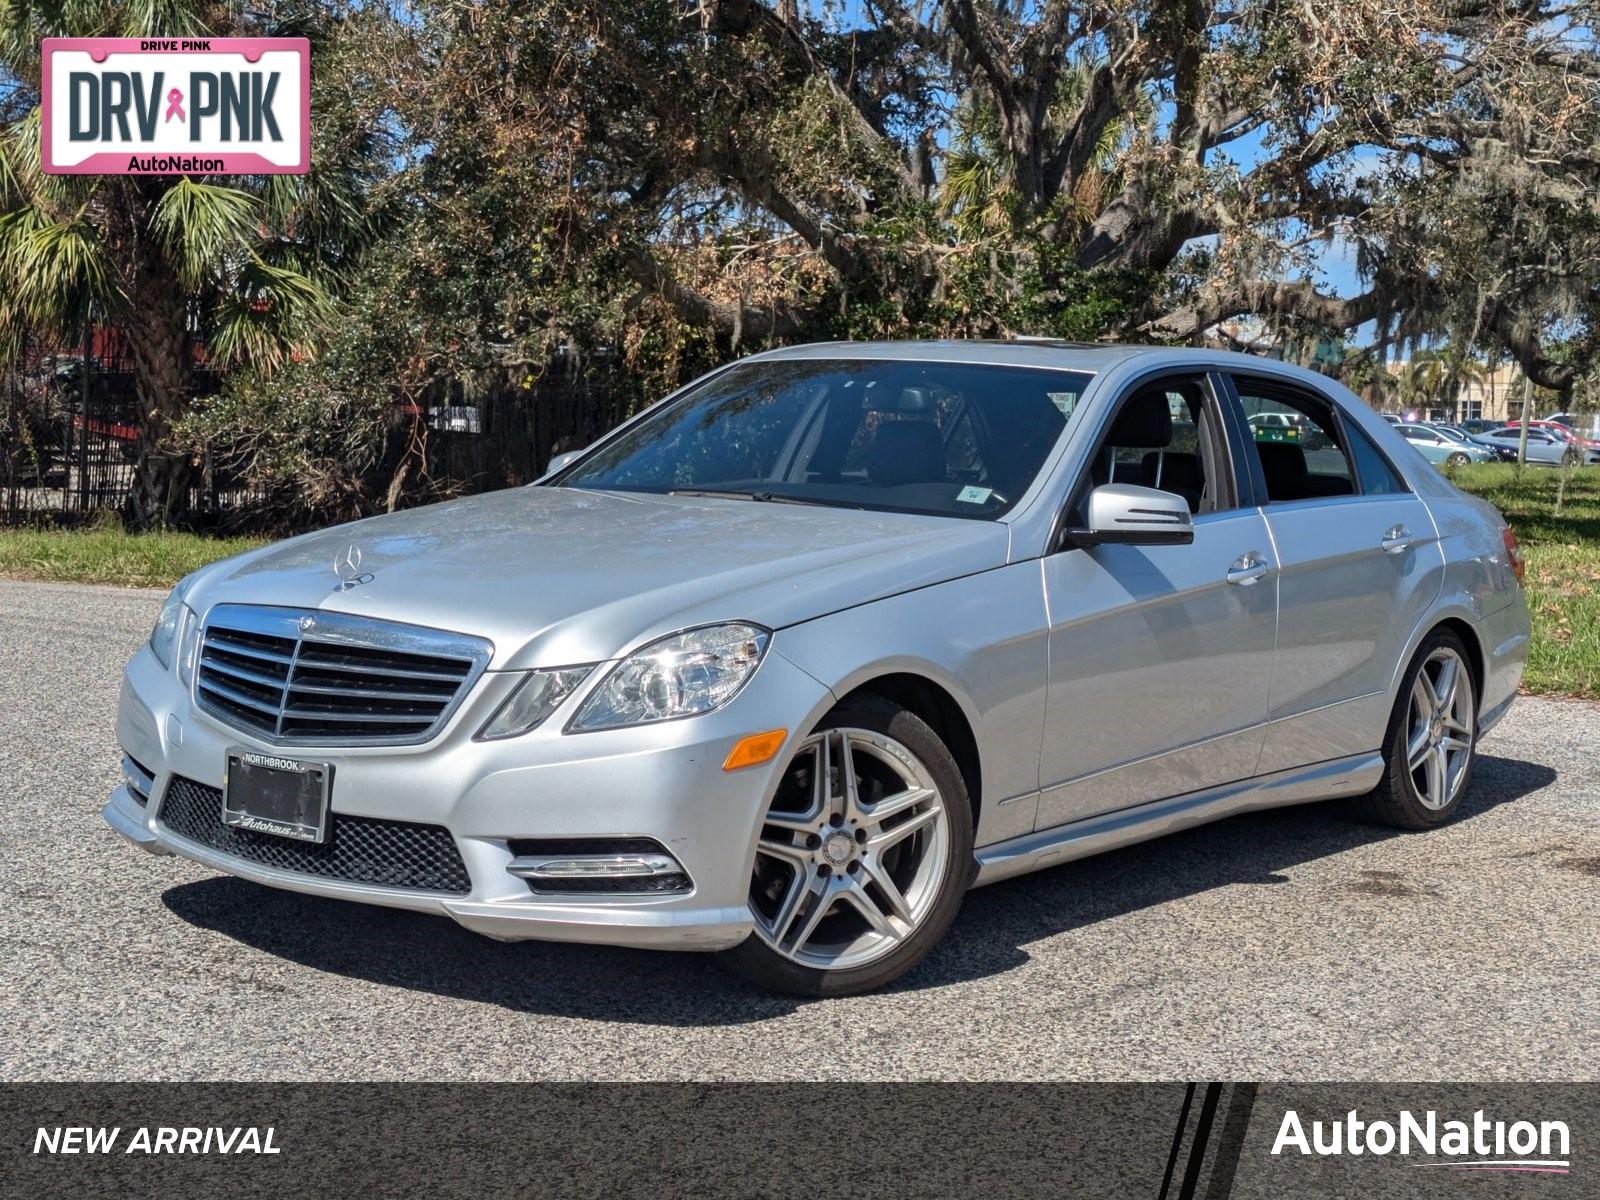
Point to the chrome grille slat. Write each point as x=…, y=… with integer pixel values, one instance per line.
x=366, y=693
x=248, y=651
x=302, y=676
x=316, y=665
x=227, y=693
x=302, y=714
x=245, y=676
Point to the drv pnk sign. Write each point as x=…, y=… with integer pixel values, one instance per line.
x=176, y=106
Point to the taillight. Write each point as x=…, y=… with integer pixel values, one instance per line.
x=1513, y=553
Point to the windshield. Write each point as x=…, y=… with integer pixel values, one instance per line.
x=1452, y=434
x=952, y=439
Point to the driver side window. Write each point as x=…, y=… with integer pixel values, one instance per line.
x=1167, y=435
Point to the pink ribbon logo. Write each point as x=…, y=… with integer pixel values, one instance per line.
x=175, y=106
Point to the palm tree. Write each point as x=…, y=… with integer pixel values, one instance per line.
x=1434, y=378
x=243, y=267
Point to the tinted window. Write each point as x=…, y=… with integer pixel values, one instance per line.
x=1377, y=477
x=946, y=438
x=1165, y=435
x=1296, y=441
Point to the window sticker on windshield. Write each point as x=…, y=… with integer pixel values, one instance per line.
x=974, y=495
x=1064, y=401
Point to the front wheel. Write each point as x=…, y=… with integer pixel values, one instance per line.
x=1458, y=459
x=1432, y=738
x=863, y=858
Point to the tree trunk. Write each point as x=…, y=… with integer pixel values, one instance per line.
x=158, y=338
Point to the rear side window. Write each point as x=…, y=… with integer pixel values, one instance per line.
x=1296, y=440
x=1377, y=477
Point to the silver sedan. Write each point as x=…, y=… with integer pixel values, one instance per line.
x=784, y=665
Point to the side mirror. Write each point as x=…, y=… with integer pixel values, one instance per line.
x=557, y=461
x=1127, y=515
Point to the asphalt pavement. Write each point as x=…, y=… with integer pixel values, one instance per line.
x=1283, y=945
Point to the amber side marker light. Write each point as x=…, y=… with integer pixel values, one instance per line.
x=755, y=749
x=1514, y=553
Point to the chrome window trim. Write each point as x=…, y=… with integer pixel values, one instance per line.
x=340, y=629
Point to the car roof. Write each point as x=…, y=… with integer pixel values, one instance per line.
x=1062, y=355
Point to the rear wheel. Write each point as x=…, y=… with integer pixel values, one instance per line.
x=1431, y=741
x=863, y=858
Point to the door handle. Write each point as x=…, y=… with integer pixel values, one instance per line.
x=1246, y=569
x=1396, y=538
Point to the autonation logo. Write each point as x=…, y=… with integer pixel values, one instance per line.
x=1480, y=1144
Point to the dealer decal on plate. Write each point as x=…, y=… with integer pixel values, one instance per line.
x=170, y=106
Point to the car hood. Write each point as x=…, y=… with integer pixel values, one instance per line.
x=557, y=576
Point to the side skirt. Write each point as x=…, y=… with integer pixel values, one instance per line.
x=1110, y=831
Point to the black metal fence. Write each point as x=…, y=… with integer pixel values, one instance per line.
x=69, y=436
x=69, y=433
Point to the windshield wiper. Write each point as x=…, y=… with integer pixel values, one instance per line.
x=715, y=494
x=763, y=497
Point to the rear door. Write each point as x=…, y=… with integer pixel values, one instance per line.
x=1359, y=564
x=1159, y=656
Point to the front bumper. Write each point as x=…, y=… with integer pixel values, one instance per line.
x=664, y=782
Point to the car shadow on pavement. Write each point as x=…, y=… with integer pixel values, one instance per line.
x=430, y=954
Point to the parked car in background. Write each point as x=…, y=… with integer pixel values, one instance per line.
x=1476, y=426
x=1277, y=427
x=1587, y=424
x=1544, y=448
x=1440, y=448
x=1456, y=434
x=785, y=664
x=1560, y=431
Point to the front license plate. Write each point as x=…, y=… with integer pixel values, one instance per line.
x=268, y=794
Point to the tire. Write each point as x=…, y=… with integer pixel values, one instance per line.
x=1458, y=459
x=1408, y=797
x=823, y=856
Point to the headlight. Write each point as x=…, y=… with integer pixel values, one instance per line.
x=165, y=635
x=534, y=699
x=188, y=645
x=176, y=620
x=679, y=676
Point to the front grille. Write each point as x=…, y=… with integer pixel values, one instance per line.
x=395, y=854
x=300, y=676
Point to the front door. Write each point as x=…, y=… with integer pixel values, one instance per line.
x=1160, y=656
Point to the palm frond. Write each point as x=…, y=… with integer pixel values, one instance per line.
x=203, y=227
x=162, y=18
x=270, y=315
x=60, y=271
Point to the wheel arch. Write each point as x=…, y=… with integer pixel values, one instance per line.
x=936, y=705
x=1477, y=658
x=1458, y=623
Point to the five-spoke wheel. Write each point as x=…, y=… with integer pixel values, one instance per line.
x=1439, y=745
x=862, y=856
x=1431, y=739
x=851, y=852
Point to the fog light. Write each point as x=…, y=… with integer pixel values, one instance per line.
x=596, y=865
x=600, y=866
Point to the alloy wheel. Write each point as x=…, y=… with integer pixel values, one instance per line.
x=1440, y=732
x=851, y=852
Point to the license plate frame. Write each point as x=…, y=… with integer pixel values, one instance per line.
x=280, y=797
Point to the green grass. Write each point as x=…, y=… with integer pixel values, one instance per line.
x=110, y=555
x=1563, y=555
